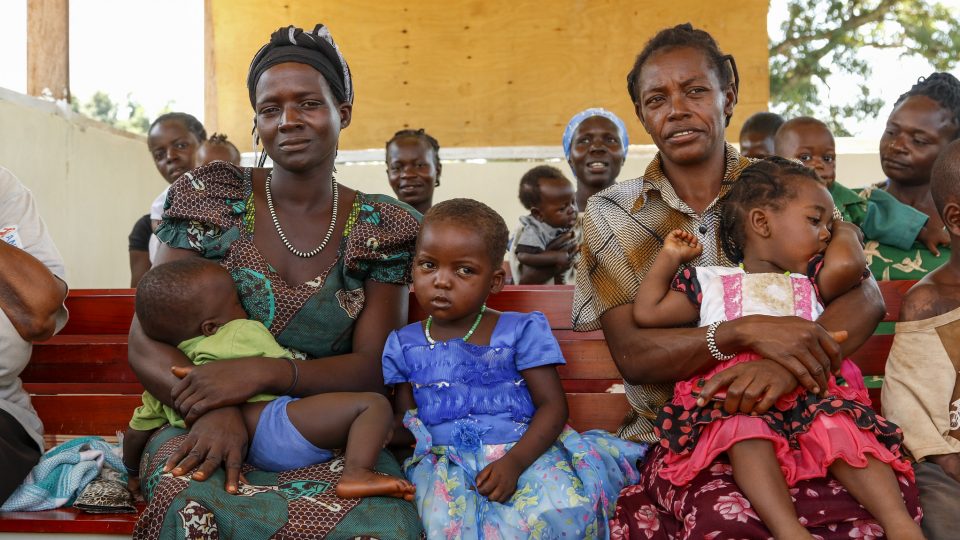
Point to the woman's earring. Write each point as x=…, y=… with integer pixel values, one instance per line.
x=436, y=183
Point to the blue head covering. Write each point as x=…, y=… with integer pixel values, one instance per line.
x=590, y=113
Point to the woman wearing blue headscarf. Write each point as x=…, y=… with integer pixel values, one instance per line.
x=595, y=144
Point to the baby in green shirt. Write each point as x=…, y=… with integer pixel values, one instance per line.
x=192, y=304
x=879, y=215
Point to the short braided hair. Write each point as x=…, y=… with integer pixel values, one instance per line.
x=530, y=184
x=767, y=183
x=476, y=216
x=685, y=35
x=941, y=87
x=189, y=121
x=416, y=134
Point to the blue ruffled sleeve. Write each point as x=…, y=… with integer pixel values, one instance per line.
x=535, y=344
x=394, y=368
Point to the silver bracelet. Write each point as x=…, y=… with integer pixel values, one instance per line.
x=296, y=376
x=712, y=343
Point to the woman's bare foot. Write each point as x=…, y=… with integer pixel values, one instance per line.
x=355, y=483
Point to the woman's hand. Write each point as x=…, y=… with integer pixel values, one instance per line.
x=211, y=386
x=752, y=387
x=218, y=437
x=498, y=480
x=803, y=347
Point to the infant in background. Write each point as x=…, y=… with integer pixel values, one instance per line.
x=217, y=148
x=192, y=304
x=543, y=246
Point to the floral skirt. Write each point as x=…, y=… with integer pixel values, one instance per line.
x=712, y=507
x=809, y=433
x=569, y=492
x=293, y=504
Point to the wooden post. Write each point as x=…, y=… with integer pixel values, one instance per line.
x=48, y=48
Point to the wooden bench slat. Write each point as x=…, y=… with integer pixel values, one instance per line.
x=85, y=414
x=597, y=411
x=67, y=520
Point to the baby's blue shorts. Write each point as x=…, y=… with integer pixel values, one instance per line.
x=278, y=445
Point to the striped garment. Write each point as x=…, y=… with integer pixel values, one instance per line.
x=623, y=230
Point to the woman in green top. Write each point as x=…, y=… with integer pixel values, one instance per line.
x=306, y=255
x=924, y=120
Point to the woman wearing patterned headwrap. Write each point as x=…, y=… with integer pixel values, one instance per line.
x=306, y=255
x=684, y=91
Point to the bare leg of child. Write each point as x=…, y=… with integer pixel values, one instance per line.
x=875, y=487
x=134, y=442
x=362, y=424
x=758, y=475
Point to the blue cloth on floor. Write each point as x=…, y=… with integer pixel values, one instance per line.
x=278, y=445
x=62, y=474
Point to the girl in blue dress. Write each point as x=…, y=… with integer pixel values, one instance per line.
x=481, y=398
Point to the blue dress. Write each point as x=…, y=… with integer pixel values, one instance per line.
x=472, y=407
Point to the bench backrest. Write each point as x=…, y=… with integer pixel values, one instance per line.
x=82, y=384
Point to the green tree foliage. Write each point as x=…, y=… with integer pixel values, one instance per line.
x=130, y=116
x=823, y=38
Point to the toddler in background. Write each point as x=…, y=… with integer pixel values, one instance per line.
x=777, y=222
x=217, y=148
x=921, y=387
x=193, y=305
x=879, y=215
x=756, y=135
x=479, y=392
x=543, y=248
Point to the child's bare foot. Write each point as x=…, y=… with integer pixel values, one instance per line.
x=356, y=483
x=133, y=485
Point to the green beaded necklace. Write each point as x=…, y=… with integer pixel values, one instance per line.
x=476, y=323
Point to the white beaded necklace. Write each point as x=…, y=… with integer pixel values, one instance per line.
x=283, y=237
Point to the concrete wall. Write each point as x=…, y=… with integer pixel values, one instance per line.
x=91, y=182
x=477, y=73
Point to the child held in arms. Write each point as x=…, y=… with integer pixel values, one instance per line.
x=543, y=248
x=880, y=216
x=192, y=304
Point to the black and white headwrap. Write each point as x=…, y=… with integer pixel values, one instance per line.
x=316, y=49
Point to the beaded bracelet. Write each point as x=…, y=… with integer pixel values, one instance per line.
x=296, y=377
x=712, y=343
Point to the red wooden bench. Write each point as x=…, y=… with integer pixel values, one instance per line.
x=81, y=383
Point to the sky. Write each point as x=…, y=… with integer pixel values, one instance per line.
x=149, y=49
x=152, y=50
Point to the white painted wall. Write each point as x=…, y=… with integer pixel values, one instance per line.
x=91, y=183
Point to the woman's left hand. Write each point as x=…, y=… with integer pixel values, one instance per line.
x=752, y=387
x=218, y=384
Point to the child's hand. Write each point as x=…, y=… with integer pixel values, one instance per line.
x=931, y=238
x=498, y=480
x=682, y=245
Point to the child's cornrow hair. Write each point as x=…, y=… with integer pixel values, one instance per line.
x=685, y=35
x=941, y=87
x=530, y=184
x=189, y=121
x=767, y=183
x=476, y=216
x=417, y=134
x=219, y=138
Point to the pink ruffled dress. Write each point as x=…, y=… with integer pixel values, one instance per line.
x=808, y=432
